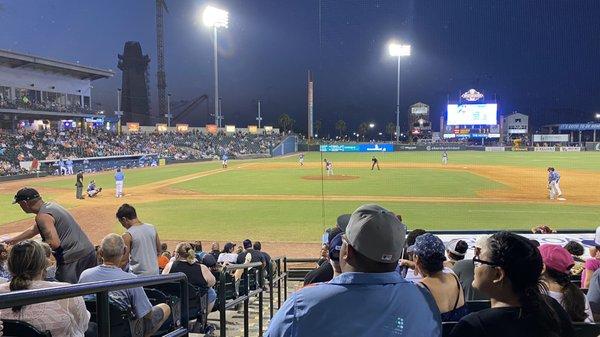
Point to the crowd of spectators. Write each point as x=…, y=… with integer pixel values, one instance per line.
x=24, y=103
x=26, y=145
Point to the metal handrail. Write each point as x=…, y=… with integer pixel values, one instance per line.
x=101, y=290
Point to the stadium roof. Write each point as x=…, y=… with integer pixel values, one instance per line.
x=19, y=60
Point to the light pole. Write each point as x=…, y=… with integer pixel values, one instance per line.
x=168, y=115
x=259, y=118
x=215, y=18
x=119, y=113
x=398, y=50
x=597, y=119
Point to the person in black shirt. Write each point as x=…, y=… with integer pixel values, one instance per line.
x=374, y=163
x=267, y=258
x=508, y=270
x=79, y=185
x=325, y=271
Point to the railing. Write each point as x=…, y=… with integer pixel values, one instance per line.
x=101, y=290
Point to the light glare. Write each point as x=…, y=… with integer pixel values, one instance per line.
x=215, y=17
x=397, y=49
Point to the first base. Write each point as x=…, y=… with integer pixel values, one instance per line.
x=561, y=199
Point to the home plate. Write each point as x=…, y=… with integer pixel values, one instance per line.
x=561, y=199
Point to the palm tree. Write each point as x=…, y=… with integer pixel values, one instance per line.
x=363, y=128
x=390, y=129
x=318, y=125
x=286, y=123
x=340, y=127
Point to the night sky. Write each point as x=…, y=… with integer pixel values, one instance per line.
x=540, y=57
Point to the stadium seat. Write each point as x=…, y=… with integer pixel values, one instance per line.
x=123, y=322
x=198, y=301
x=156, y=297
x=13, y=328
x=475, y=306
x=230, y=292
x=586, y=330
x=447, y=328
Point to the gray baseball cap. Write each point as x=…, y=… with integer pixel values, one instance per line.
x=376, y=233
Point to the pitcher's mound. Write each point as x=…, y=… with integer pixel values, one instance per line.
x=334, y=177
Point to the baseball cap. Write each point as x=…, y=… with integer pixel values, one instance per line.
x=247, y=243
x=457, y=247
x=595, y=242
x=335, y=245
x=228, y=246
x=26, y=193
x=557, y=258
x=342, y=221
x=429, y=247
x=376, y=233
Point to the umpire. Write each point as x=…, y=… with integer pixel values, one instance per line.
x=79, y=185
x=71, y=248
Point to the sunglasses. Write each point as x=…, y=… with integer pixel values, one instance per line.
x=478, y=263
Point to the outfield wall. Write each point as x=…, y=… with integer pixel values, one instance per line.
x=385, y=147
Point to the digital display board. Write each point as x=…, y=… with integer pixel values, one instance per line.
x=472, y=114
x=358, y=148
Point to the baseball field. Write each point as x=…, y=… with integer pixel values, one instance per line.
x=279, y=202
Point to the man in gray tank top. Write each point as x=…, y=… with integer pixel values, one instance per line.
x=71, y=248
x=142, y=242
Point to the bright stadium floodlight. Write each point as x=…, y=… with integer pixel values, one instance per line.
x=215, y=17
x=598, y=115
x=398, y=50
x=371, y=125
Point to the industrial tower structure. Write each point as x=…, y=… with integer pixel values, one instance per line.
x=134, y=95
x=161, y=76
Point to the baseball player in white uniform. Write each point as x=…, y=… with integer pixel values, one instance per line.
x=445, y=157
x=328, y=167
x=301, y=159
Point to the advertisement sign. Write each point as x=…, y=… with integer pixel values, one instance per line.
x=212, y=128
x=589, y=146
x=495, y=149
x=161, y=127
x=472, y=114
x=570, y=149
x=133, y=127
x=253, y=129
x=551, y=138
x=268, y=129
x=357, y=148
x=444, y=148
x=182, y=127
x=544, y=149
x=230, y=128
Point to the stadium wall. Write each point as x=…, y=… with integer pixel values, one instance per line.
x=288, y=145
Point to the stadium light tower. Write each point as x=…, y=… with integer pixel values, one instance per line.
x=215, y=18
x=398, y=50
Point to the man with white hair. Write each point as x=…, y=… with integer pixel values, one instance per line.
x=112, y=250
x=465, y=270
x=369, y=298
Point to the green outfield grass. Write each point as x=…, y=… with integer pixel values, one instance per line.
x=304, y=221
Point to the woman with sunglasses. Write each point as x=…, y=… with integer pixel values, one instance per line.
x=508, y=270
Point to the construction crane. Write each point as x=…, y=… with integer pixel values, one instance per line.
x=160, y=55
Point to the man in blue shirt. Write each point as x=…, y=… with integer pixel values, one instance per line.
x=369, y=298
x=119, y=179
x=553, y=184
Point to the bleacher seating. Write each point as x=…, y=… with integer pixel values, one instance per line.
x=198, y=302
x=157, y=296
x=123, y=322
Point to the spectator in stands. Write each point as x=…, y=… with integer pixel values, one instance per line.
x=406, y=267
x=324, y=252
x=593, y=263
x=576, y=250
x=247, y=256
x=325, y=271
x=112, y=250
x=227, y=255
x=444, y=287
x=455, y=251
x=557, y=278
x=465, y=271
x=72, y=249
x=215, y=251
x=142, y=242
x=163, y=259
x=67, y=317
x=198, y=274
x=4, y=273
x=369, y=298
x=508, y=270
x=257, y=246
x=50, y=272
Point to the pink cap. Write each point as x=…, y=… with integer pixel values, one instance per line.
x=557, y=258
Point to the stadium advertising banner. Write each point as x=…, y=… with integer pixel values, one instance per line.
x=472, y=114
x=357, y=148
x=551, y=138
x=495, y=149
x=230, y=128
x=182, y=127
x=253, y=129
x=544, y=149
x=212, y=128
x=133, y=127
x=570, y=149
x=268, y=129
x=161, y=127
